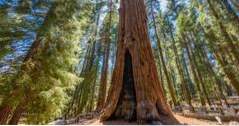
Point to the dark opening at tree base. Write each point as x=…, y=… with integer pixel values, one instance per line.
x=126, y=107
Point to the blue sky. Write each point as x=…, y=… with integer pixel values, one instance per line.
x=163, y=4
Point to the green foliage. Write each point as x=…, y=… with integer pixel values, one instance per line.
x=9, y=31
x=47, y=77
x=50, y=86
x=51, y=71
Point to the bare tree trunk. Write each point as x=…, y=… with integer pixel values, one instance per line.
x=4, y=114
x=103, y=81
x=180, y=69
x=170, y=84
x=231, y=45
x=230, y=9
x=83, y=91
x=161, y=75
x=190, y=52
x=195, y=75
x=104, y=74
x=203, y=58
x=141, y=83
x=16, y=115
x=220, y=56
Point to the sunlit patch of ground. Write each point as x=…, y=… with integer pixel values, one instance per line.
x=183, y=120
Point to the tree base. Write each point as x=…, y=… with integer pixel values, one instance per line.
x=4, y=114
x=137, y=108
x=126, y=106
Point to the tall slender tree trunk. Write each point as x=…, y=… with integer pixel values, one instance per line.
x=233, y=46
x=170, y=84
x=230, y=9
x=187, y=77
x=83, y=91
x=17, y=115
x=161, y=75
x=4, y=114
x=6, y=109
x=185, y=85
x=230, y=73
x=195, y=76
x=201, y=80
x=136, y=92
x=103, y=81
x=92, y=91
x=203, y=58
x=180, y=69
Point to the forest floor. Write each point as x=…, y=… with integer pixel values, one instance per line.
x=182, y=119
x=214, y=117
x=94, y=120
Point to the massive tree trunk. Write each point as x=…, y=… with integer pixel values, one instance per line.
x=136, y=93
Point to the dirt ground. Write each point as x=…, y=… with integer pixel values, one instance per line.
x=183, y=120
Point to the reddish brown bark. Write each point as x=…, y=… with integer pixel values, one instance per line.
x=4, y=114
x=104, y=74
x=17, y=115
x=134, y=53
x=103, y=81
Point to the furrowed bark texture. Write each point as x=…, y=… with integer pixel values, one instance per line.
x=138, y=94
x=4, y=114
x=17, y=115
x=104, y=74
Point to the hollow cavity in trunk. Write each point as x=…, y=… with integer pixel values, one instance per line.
x=126, y=107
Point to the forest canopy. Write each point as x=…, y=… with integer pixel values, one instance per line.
x=136, y=60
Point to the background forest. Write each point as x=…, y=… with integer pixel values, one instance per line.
x=57, y=56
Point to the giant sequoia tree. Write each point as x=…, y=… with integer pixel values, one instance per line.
x=56, y=57
x=136, y=93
